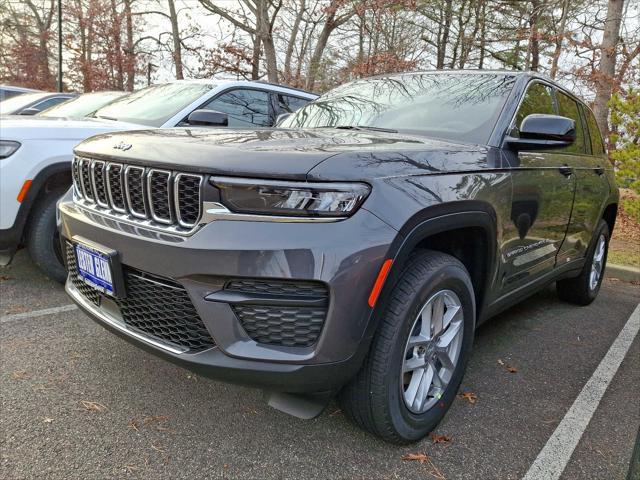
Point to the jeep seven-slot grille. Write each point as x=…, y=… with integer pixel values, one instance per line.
x=161, y=197
x=156, y=306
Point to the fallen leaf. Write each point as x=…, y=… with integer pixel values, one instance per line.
x=415, y=457
x=500, y=362
x=47, y=420
x=335, y=412
x=440, y=438
x=154, y=419
x=130, y=468
x=158, y=448
x=20, y=375
x=134, y=424
x=93, y=407
x=470, y=396
x=4, y=278
x=512, y=369
x=17, y=309
x=225, y=466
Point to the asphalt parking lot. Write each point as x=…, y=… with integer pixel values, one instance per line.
x=78, y=402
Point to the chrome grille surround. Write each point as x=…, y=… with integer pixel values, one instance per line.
x=154, y=198
x=97, y=183
x=159, y=195
x=114, y=187
x=135, y=190
x=85, y=179
x=186, y=217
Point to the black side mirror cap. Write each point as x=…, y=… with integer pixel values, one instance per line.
x=282, y=117
x=208, y=118
x=543, y=132
x=29, y=111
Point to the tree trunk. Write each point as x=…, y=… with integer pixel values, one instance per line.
x=292, y=42
x=559, y=39
x=606, y=73
x=255, y=59
x=177, y=42
x=483, y=34
x=314, y=64
x=264, y=31
x=117, y=46
x=130, y=54
x=534, y=40
x=442, y=43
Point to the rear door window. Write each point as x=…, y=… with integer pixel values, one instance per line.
x=597, y=146
x=567, y=107
x=289, y=104
x=538, y=99
x=245, y=108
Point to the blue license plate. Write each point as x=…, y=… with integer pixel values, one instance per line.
x=94, y=268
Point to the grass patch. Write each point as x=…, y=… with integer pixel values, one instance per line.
x=624, y=248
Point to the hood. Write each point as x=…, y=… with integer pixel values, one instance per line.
x=24, y=127
x=275, y=153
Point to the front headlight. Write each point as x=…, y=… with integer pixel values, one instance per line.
x=8, y=148
x=299, y=199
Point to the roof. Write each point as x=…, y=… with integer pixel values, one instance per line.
x=256, y=83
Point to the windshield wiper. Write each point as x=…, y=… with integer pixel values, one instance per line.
x=105, y=117
x=365, y=127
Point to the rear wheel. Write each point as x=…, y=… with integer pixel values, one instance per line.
x=43, y=240
x=419, y=354
x=583, y=289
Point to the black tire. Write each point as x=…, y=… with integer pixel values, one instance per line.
x=43, y=240
x=374, y=399
x=579, y=290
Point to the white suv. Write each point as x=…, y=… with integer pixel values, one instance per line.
x=36, y=152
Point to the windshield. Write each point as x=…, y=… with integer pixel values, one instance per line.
x=456, y=106
x=15, y=104
x=152, y=106
x=83, y=105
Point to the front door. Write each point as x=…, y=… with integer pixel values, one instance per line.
x=543, y=190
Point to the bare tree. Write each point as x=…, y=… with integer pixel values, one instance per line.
x=606, y=73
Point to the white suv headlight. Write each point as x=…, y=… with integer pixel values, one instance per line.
x=8, y=148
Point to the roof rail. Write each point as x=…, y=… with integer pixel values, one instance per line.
x=284, y=86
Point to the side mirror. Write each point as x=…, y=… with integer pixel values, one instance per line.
x=543, y=132
x=208, y=118
x=282, y=117
x=29, y=111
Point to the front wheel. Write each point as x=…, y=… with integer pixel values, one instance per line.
x=419, y=354
x=43, y=240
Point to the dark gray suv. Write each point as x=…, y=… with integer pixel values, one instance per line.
x=354, y=249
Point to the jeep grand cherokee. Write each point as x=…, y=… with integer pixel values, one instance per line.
x=353, y=250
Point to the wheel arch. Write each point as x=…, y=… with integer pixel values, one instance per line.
x=53, y=177
x=434, y=227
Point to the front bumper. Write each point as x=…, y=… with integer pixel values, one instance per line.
x=343, y=256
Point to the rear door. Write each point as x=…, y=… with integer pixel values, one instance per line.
x=588, y=160
x=543, y=189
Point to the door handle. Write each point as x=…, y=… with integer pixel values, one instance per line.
x=599, y=170
x=566, y=170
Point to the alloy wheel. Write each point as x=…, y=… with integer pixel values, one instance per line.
x=432, y=351
x=597, y=263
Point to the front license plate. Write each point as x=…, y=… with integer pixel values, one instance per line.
x=95, y=268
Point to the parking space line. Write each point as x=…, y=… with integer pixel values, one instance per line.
x=555, y=455
x=37, y=313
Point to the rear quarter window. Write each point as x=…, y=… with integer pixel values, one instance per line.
x=597, y=145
